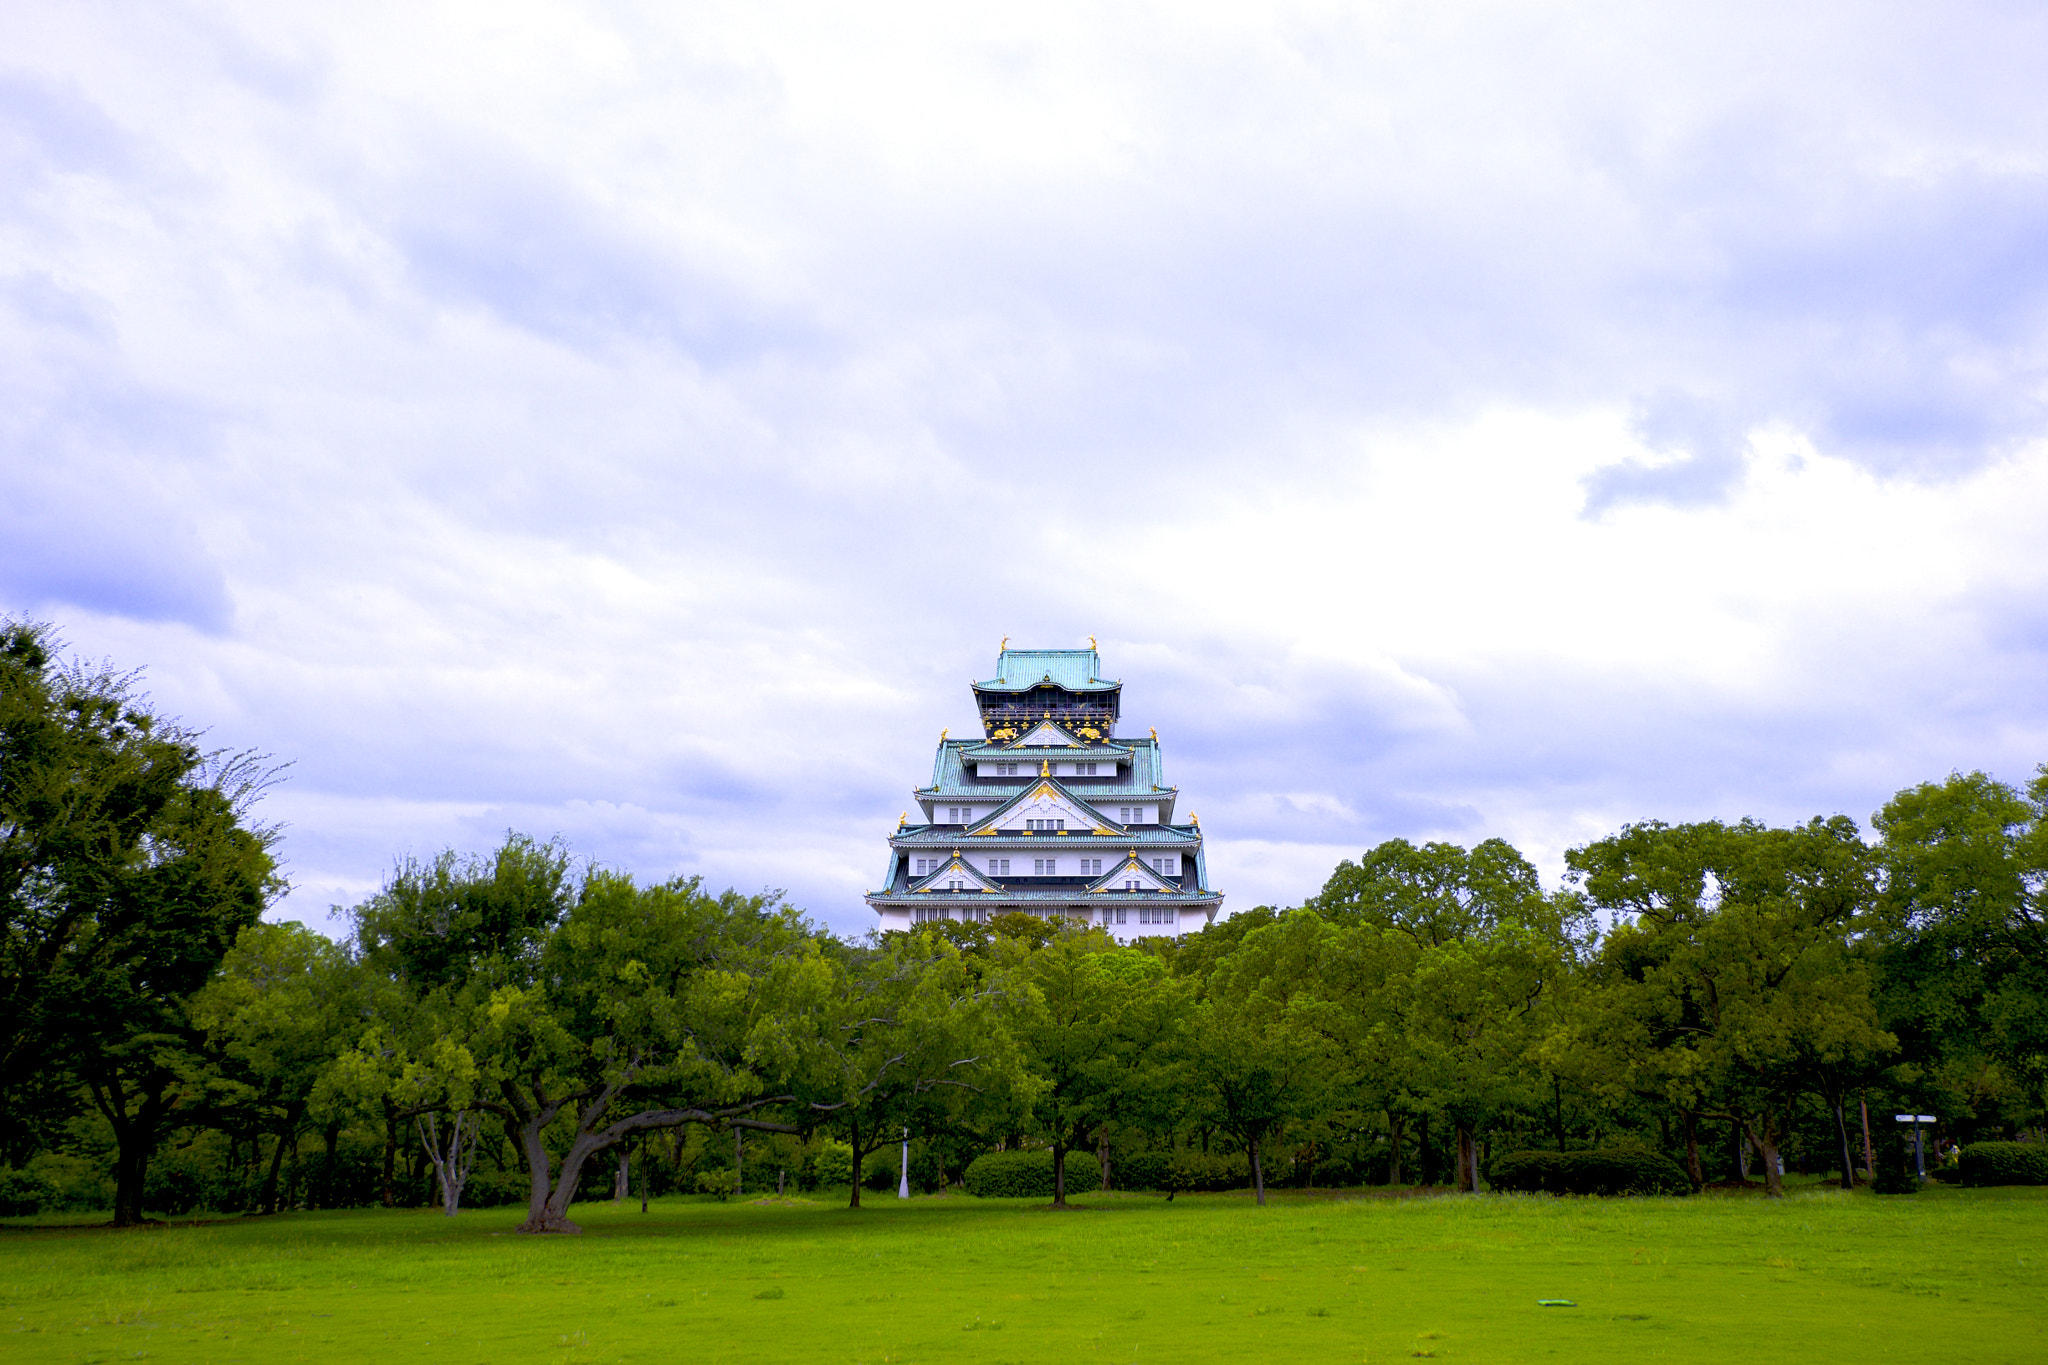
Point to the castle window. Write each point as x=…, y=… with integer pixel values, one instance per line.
x=1114, y=914
x=1091, y=867
x=1046, y=826
x=1044, y=867
x=999, y=867
x=1006, y=770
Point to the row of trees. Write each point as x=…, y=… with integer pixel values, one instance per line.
x=1710, y=990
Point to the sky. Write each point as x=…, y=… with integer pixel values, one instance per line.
x=639, y=424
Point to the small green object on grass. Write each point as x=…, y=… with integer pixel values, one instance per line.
x=1555, y=1303
x=772, y=1293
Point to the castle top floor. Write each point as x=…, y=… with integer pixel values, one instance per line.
x=1060, y=685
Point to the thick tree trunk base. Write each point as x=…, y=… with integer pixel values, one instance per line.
x=549, y=1222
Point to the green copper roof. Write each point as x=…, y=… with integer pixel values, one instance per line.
x=1020, y=670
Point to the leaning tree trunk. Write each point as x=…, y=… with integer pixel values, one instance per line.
x=266, y=1200
x=1848, y=1157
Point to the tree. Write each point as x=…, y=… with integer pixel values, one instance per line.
x=1078, y=1010
x=908, y=1039
x=1965, y=914
x=1252, y=1044
x=1739, y=940
x=275, y=1017
x=1466, y=953
x=127, y=869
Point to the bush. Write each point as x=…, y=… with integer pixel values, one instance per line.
x=1141, y=1171
x=2005, y=1163
x=1596, y=1173
x=1200, y=1172
x=833, y=1165
x=1028, y=1175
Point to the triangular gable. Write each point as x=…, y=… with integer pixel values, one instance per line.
x=1132, y=869
x=1045, y=799
x=958, y=869
x=1047, y=735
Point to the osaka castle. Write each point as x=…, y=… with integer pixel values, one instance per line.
x=1049, y=811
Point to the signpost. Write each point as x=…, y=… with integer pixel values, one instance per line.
x=903, y=1183
x=1919, y=1154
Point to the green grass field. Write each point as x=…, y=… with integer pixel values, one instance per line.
x=1949, y=1275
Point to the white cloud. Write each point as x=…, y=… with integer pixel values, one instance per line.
x=640, y=423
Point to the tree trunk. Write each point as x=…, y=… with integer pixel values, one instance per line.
x=1394, y=1142
x=1694, y=1171
x=266, y=1202
x=1059, y=1172
x=1557, y=1110
x=1102, y=1155
x=135, y=1140
x=390, y=1151
x=1763, y=1133
x=1424, y=1157
x=859, y=1156
x=1848, y=1158
x=1869, y=1162
x=541, y=1216
x=1468, y=1162
x=1738, y=1159
x=622, y=1179
x=1258, y=1172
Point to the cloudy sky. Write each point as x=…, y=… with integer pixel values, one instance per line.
x=639, y=423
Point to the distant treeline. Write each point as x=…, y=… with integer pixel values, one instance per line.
x=504, y=1029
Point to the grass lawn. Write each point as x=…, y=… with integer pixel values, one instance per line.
x=1948, y=1275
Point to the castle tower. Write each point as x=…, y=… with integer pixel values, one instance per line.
x=1048, y=812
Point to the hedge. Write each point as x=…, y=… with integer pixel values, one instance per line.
x=1028, y=1175
x=1599, y=1173
x=2005, y=1163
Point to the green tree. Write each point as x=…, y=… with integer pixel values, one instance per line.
x=1081, y=1010
x=276, y=1016
x=1735, y=949
x=1965, y=911
x=908, y=1042
x=127, y=868
x=1464, y=956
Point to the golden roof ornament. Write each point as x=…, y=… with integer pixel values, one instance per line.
x=1004, y=645
x=1091, y=642
x=1045, y=767
x=942, y=735
x=1155, y=734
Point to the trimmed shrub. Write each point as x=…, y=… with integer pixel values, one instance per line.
x=1202, y=1173
x=1596, y=1173
x=1028, y=1175
x=1141, y=1171
x=2005, y=1163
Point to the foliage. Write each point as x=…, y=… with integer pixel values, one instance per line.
x=1024, y=1174
x=2005, y=1163
x=1597, y=1173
